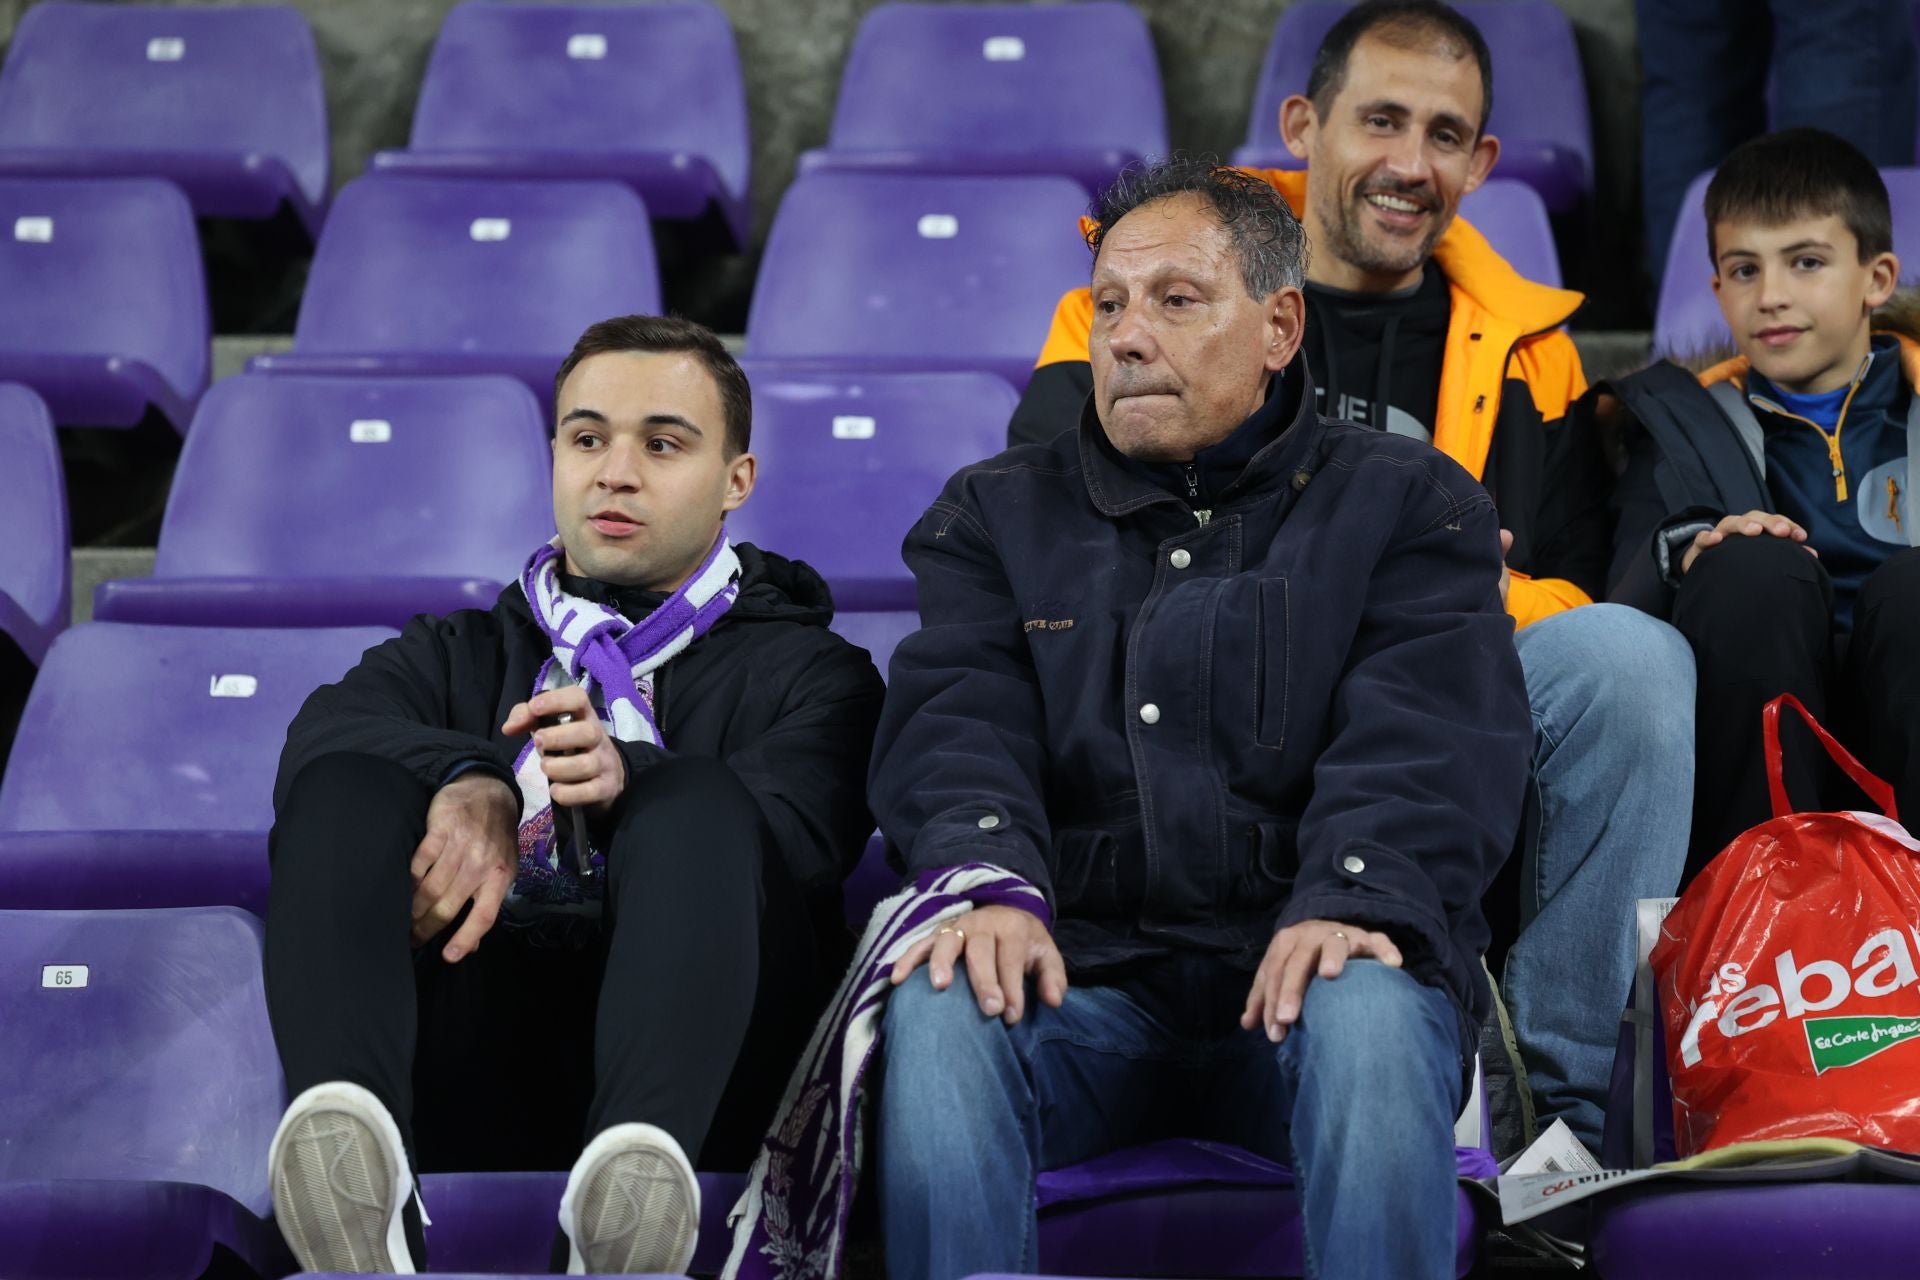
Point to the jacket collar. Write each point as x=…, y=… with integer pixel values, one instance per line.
x=1118, y=489
x=1736, y=369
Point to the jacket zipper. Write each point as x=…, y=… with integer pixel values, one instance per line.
x=1832, y=439
x=1893, y=504
x=1193, y=496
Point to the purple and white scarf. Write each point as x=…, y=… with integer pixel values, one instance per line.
x=792, y=1222
x=613, y=659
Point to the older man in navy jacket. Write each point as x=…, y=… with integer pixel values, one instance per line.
x=1232, y=685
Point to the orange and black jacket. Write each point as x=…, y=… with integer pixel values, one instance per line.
x=1509, y=376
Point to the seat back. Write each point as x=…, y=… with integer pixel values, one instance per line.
x=1540, y=111
x=848, y=464
x=36, y=573
x=174, y=80
x=292, y=477
x=95, y=270
x=1688, y=321
x=916, y=271
x=587, y=78
x=1010, y=78
x=142, y=728
x=137, y=1047
x=1513, y=218
x=453, y=276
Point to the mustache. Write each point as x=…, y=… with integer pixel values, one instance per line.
x=1131, y=380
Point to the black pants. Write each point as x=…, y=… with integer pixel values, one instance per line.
x=688, y=1013
x=1759, y=614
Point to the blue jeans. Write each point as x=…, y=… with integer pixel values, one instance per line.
x=1359, y=1099
x=1613, y=701
x=1846, y=66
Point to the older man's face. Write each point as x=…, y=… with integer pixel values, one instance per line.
x=1181, y=354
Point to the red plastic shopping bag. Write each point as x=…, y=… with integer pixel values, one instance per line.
x=1790, y=976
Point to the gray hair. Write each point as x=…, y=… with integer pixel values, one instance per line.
x=1267, y=238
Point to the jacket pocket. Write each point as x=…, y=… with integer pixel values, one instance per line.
x=1088, y=879
x=1270, y=645
x=1272, y=863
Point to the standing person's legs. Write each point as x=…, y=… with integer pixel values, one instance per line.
x=970, y=1110
x=1360, y=1100
x=1847, y=66
x=1758, y=612
x=1883, y=667
x=1703, y=67
x=1612, y=695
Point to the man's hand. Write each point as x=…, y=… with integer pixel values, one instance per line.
x=1296, y=953
x=470, y=854
x=1002, y=945
x=1751, y=525
x=1506, y=574
x=584, y=769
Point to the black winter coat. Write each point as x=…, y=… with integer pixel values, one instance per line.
x=769, y=691
x=1191, y=733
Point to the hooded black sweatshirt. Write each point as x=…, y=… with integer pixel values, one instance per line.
x=787, y=704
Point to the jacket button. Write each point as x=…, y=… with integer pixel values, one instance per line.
x=1301, y=479
x=1180, y=559
x=1149, y=714
x=1353, y=864
x=989, y=822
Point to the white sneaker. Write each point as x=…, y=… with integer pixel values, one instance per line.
x=632, y=1205
x=340, y=1182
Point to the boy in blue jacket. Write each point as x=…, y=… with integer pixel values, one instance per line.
x=1765, y=505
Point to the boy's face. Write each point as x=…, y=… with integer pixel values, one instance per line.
x=1797, y=298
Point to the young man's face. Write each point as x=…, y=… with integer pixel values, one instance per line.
x=1797, y=297
x=1388, y=162
x=641, y=476
x=1181, y=353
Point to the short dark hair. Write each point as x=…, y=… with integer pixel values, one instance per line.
x=1801, y=173
x=1267, y=237
x=1425, y=25
x=666, y=334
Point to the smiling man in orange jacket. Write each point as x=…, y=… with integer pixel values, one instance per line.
x=1417, y=326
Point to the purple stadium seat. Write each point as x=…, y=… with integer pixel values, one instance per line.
x=1539, y=93
x=106, y=304
x=142, y=775
x=1511, y=215
x=649, y=95
x=876, y=271
x=1688, y=321
x=443, y=276
x=876, y=632
x=304, y=502
x=1017, y=84
x=504, y=1222
x=224, y=102
x=848, y=463
x=36, y=573
x=142, y=1090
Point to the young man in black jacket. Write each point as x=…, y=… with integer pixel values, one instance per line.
x=571, y=865
x=1231, y=685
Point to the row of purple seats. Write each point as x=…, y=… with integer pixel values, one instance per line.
x=1688, y=321
x=144, y=1088
x=1540, y=111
